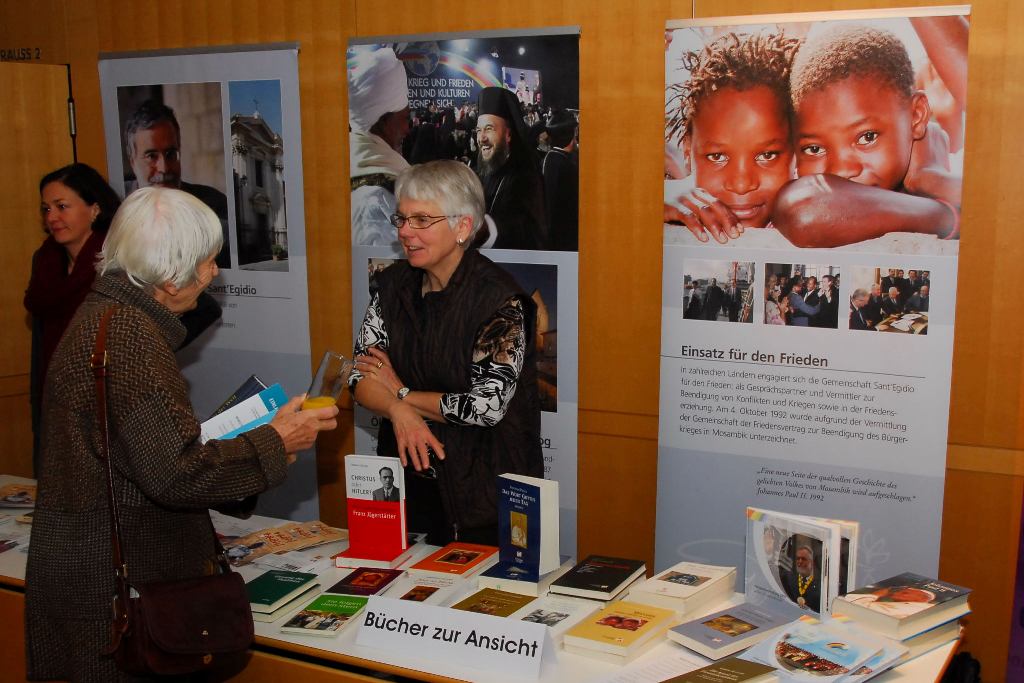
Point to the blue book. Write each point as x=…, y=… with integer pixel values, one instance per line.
x=251, y=413
x=728, y=631
x=528, y=526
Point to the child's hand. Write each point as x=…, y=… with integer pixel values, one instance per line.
x=703, y=214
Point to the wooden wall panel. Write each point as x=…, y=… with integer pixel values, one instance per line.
x=33, y=133
x=621, y=56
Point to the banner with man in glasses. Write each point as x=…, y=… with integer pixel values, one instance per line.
x=508, y=107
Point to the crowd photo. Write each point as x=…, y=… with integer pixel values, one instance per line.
x=801, y=295
x=506, y=107
x=718, y=290
x=890, y=300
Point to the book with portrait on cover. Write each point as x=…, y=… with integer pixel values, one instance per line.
x=904, y=605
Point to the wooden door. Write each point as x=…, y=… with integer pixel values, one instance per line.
x=35, y=139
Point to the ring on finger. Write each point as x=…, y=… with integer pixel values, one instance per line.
x=380, y=364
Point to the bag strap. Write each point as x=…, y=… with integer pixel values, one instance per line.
x=98, y=361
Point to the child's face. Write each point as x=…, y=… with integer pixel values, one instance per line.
x=741, y=152
x=860, y=130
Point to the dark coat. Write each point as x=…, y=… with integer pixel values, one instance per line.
x=431, y=342
x=164, y=478
x=514, y=196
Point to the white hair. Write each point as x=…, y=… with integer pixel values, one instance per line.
x=160, y=236
x=452, y=185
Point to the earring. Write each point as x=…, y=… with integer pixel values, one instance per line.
x=460, y=241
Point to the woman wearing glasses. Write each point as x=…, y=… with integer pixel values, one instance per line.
x=446, y=355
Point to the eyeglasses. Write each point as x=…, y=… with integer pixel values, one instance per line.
x=415, y=222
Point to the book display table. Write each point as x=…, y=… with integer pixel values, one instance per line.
x=278, y=656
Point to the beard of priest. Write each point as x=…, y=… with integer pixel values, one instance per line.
x=509, y=170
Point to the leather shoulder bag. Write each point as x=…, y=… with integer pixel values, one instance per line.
x=168, y=627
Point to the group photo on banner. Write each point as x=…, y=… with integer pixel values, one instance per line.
x=813, y=175
x=498, y=112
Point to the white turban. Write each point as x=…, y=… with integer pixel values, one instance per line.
x=376, y=86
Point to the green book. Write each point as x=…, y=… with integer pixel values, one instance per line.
x=270, y=590
x=326, y=615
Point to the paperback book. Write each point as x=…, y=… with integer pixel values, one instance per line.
x=507, y=577
x=365, y=581
x=493, y=602
x=375, y=488
x=244, y=416
x=599, y=577
x=905, y=605
x=686, y=587
x=789, y=561
x=728, y=631
x=18, y=495
x=618, y=632
x=279, y=539
x=732, y=670
x=457, y=559
x=558, y=613
x=271, y=589
x=289, y=607
x=250, y=387
x=428, y=589
x=528, y=525
x=326, y=615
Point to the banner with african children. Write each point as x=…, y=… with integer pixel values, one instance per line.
x=504, y=107
x=813, y=175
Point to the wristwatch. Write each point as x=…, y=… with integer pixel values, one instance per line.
x=403, y=392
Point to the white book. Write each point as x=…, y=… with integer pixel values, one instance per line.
x=557, y=613
x=428, y=589
x=686, y=586
x=249, y=414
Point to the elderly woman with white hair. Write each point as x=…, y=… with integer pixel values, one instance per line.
x=446, y=354
x=157, y=258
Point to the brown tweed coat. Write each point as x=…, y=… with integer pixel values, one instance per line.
x=165, y=480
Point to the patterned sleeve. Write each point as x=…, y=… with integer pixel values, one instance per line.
x=498, y=355
x=371, y=333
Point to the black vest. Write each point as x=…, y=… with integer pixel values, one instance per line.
x=430, y=345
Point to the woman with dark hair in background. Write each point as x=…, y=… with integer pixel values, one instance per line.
x=77, y=206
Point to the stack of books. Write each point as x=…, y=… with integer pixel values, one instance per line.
x=457, y=559
x=275, y=593
x=686, y=587
x=326, y=615
x=620, y=632
x=557, y=613
x=920, y=612
x=728, y=631
x=599, y=577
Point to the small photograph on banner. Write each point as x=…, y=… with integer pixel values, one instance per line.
x=257, y=159
x=172, y=136
x=889, y=299
x=718, y=290
x=858, y=112
x=801, y=295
